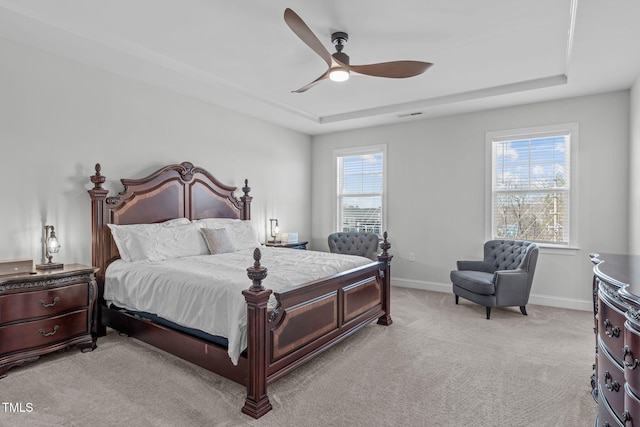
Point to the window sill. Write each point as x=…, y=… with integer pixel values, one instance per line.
x=558, y=250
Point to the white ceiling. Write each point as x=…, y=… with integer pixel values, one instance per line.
x=241, y=54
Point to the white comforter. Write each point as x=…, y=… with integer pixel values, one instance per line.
x=205, y=292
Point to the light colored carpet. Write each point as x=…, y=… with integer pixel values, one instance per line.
x=438, y=365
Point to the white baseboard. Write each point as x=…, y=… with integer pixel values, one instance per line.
x=547, y=300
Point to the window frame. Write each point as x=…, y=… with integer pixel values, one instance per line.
x=570, y=129
x=358, y=151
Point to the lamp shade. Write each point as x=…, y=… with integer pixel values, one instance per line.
x=53, y=245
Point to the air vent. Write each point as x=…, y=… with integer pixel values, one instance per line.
x=417, y=113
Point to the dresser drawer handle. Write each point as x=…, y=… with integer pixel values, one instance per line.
x=626, y=351
x=609, y=383
x=48, y=334
x=55, y=300
x=615, y=330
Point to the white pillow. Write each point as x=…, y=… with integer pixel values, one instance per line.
x=157, y=242
x=241, y=232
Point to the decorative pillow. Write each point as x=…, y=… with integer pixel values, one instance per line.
x=241, y=232
x=157, y=242
x=215, y=222
x=218, y=240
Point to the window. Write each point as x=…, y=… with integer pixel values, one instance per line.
x=361, y=184
x=532, y=184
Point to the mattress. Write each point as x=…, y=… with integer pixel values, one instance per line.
x=205, y=292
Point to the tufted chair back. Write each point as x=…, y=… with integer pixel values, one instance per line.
x=354, y=243
x=508, y=255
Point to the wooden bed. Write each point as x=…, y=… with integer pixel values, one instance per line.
x=309, y=318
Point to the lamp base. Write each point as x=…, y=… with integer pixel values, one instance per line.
x=49, y=266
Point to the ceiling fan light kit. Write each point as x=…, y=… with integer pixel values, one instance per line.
x=338, y=64
x=339, y=74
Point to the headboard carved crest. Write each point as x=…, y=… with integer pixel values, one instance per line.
x=187, y=171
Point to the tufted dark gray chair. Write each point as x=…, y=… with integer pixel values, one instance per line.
x=502, y=279
x=354, y=243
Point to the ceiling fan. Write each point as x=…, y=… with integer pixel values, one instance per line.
x=338, y=63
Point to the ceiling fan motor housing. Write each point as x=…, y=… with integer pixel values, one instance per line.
x=339, y=39
x=341, y=57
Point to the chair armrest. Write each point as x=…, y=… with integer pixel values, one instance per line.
x=471, y=265
x=517, y=277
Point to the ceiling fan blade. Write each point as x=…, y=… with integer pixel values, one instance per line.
x=301, y=29
x=313, y=83
x=395, y=69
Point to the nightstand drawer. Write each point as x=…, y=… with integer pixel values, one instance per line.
x=42, y=332
x=43, y=303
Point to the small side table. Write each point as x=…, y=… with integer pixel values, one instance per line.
x=296, y=245
x=46, y=311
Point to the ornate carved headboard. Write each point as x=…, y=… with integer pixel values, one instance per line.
x=175, y=191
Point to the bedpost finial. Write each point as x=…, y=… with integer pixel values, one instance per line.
x=97, y=179
x=257, y=255
x=246, y=187
x=385, y=245
x=257, y=273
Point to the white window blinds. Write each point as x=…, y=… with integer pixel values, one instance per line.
x=360, y=192
x=531, y=185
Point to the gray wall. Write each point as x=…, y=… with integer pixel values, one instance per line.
x=59, y=118
x=634, y=171
x=436, y=191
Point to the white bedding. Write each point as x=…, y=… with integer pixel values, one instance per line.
x=205, y=292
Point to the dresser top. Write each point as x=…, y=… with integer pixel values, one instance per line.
x=620, y=270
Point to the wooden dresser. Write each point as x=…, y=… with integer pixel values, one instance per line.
x=46, y=311
x=616, y=378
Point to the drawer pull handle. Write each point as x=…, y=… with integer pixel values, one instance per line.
x=609, y=383
x=615, y=330
x=626, y=351
x=55, y=300
x=48, y=334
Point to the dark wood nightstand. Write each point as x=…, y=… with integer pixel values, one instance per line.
x=46, y=311
x=297, y=245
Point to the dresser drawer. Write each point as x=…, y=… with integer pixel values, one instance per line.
x=631, y=358
x=611, y=328
x=632, y=408
x=42, y=332
x=49, y=302
x=606, y=417
x=611, y=380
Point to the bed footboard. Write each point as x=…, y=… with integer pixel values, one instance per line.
x=308, y=320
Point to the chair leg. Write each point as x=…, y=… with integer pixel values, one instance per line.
x=457, y=297
x=523, y=310
x=488, y=312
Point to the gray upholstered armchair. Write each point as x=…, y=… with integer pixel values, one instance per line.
x=502, y=279
x=354, y=243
